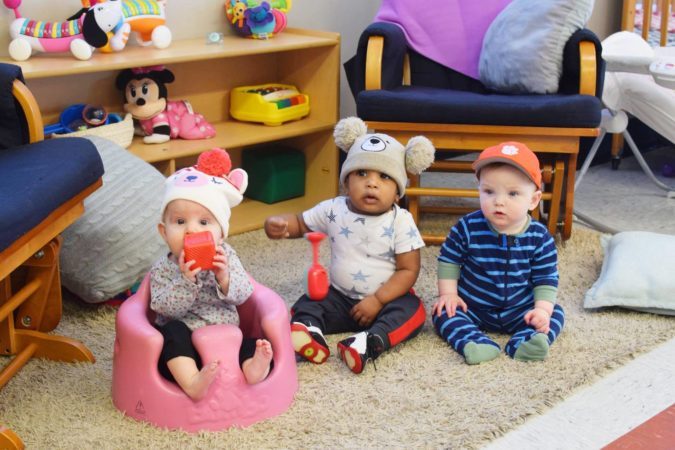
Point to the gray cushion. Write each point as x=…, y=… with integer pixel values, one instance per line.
x=116, y=240
x=637, y=273
x=523, y=47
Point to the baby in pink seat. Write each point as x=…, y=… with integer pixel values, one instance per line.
x=145, y=95
x=183, y=296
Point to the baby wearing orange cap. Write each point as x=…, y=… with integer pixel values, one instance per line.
x=498, y=267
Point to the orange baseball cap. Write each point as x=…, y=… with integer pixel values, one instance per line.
x=513, y=153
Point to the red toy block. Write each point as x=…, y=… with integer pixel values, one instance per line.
x=200, y=248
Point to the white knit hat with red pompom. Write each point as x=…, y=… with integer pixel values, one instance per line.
x=210, y=183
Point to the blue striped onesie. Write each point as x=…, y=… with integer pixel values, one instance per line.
x=499, y=275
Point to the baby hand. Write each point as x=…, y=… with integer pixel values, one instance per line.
x=450, y=302
x=221, y=268
x=185, y=268
x=366, y=311
x=539, y=319
x=276, y=227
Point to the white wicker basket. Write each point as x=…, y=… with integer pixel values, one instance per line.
x=120, y=133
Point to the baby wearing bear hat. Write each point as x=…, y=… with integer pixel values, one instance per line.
x=375, y=250
x=185, y=297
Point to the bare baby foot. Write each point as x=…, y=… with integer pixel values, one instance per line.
x=200, y=382
x=257, y=367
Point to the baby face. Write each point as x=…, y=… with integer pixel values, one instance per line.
x=183, y=217
x=506, y=195
x=370, y=192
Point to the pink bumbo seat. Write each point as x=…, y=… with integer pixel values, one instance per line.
x=141, y=392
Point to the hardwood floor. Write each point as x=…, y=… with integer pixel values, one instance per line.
x=632, y=407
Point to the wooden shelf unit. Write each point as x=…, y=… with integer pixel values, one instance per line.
x=205, y=74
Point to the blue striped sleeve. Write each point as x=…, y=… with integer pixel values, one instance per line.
x=453, y=250
x=545, y=262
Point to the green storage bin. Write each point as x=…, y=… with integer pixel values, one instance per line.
x=275, y=173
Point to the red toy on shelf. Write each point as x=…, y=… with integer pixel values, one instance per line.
x=317, y=277
x=200, y=248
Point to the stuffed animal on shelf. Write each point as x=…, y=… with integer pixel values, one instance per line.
x=79, y=35
x=257, y=19
x=145, y=96
x=145, y=18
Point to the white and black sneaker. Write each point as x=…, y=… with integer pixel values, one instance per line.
x=359, y=348
x=309, y=343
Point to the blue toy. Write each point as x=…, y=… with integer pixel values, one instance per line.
x=80, y=117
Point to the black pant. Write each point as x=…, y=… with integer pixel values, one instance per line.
x=399, y=320
x=178, y=342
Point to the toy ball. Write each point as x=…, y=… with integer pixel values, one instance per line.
x=257, y=19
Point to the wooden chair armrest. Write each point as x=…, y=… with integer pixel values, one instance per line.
x=30, y=109
x=374, y=62
x=588, y=68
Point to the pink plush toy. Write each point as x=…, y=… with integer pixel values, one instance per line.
x=79, y=35
x=145, y=97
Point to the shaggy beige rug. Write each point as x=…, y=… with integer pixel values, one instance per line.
x=422, y=394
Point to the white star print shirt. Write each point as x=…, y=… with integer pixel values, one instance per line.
x=363, y=248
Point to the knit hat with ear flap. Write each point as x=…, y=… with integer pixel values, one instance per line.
x=381, y=152
x=210, y=183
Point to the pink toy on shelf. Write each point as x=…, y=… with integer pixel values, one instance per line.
x=317, y=277
x=200, y=248
x=139, y=391
x=145, y=95
x=79, y=35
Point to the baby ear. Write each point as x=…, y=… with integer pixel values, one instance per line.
x=347, y=131
x=419, y=154
x=239, y=178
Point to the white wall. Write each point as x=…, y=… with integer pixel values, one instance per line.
x=194, y=18
x=347, y=17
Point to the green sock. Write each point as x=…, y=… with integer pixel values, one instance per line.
x=536, y=349
x=478, y=353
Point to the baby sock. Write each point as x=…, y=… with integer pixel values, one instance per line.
x=478, y=353
x=536, y=349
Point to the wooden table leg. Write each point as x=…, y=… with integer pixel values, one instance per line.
x=569, y=196
x=414, y=200
x=557, y=197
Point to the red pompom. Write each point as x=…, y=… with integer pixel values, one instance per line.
x=214, y=162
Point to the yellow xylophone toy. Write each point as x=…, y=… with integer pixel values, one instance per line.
x=271, y=104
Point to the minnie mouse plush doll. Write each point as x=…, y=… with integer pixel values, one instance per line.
x=160, y=119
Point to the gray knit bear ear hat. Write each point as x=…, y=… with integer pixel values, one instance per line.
x=381, y=152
